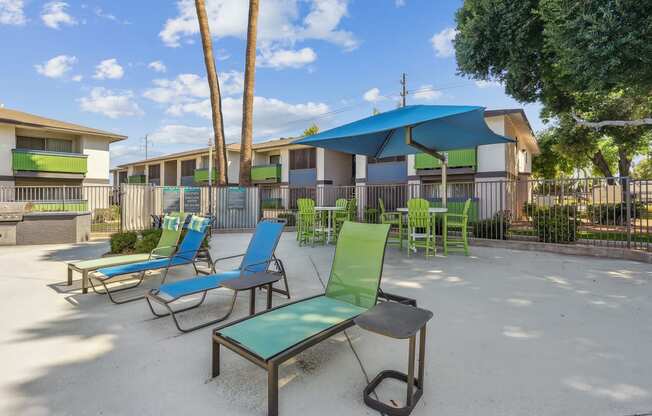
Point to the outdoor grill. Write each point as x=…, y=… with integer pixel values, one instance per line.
x=11, y=213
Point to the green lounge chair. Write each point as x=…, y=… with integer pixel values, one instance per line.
x=395, y=220
x=272, y=337
x=165, y=247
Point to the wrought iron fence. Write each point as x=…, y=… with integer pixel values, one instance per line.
x=611, y=212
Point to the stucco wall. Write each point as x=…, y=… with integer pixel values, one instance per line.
x=97, y=150
x=233, y=159
x=338, y=167
x=491, y=157
x=7, y=142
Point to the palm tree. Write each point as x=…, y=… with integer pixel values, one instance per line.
x=248, y=97
x=216, y=98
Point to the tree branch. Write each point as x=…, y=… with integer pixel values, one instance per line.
x=597, y=125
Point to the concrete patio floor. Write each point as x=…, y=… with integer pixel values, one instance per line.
x=514, y=333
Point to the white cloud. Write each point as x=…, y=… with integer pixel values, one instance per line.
x=57, y=66
x=279, y=22
x=442, y=42
x=54, y=14
x=181, y=134
x=77, y=78
x=286, y=58
x=372, y=95
x=12, y=13
x=427, y=93
x=267, y=113
x=111, y=104
x=109, y=69
x=157, y=66
x=190, y=87
x=399, y=3
x=487, y=84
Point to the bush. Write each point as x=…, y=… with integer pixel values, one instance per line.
x=272, y=203
x=289, y=217
x=107, y=214
x=148, y=241
x=122, y=243
x=613, y=214
x=495, y=228
x=557, y=224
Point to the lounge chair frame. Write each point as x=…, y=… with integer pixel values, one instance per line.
x=272, y=364
x=153, y=295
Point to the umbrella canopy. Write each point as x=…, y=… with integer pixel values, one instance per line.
x=435, y=127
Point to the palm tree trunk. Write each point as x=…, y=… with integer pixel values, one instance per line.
x=216, y=98
x=248, y=96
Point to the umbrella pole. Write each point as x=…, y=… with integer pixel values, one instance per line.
x=444, y=178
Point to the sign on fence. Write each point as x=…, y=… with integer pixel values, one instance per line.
x=236, y=197
x=171, y=199
x=192, y=200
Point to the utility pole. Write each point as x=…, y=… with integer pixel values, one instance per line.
x=146, y=146
x=404, y=91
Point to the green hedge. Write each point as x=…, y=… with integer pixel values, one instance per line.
x=496, y=228
x=556, y=224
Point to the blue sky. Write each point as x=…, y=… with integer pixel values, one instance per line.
x=136, y=67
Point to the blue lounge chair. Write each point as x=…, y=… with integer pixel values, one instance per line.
x=186, y=254
x=259, y=257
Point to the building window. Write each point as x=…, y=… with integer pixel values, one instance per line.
x=188, y=167
x=154, y=172
x=122, y=177
x=204, y=162
x=275, y=160
x=386, y=159
x=38, y=143
x=303, y=159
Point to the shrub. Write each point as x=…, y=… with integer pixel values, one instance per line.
x=613, y=214
x=272, y=203
x=289, y=217
x=148, y=241
x=371, y=216
x=495, y=228
x=557, y=224
x=123, y=242
x=107, y=214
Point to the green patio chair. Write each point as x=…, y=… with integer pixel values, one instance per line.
x=277, y=335
x=459, y=223
x=420, y=226
x=339, y=216
x=395, y=220
x=166, y=246
x=311, y=229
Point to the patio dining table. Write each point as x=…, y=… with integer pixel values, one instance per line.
x=330, y=211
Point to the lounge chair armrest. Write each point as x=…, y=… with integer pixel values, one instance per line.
x=235, y=256
x=157, y=249
x=456, y=215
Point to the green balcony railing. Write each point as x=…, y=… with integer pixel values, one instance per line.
x=40, y=161
x=456, y=159
x=136, y=179
x=201, y=175
x=266, y=173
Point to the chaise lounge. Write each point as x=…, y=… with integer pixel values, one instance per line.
x=270, y=338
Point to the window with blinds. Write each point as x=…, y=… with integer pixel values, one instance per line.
x=154, y=172
x=303, y=159
x=38, y=143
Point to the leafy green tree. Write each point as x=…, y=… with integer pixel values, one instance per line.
x=644, y=169
x=589, y=62
x=313, y=129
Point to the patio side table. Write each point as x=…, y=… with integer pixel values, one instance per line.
x=396, y=320
x=253, y=282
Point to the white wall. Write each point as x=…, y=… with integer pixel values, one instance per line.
x=285, y=165
x=97, y=150
x=233, y=159
x=491, y=157
x=7, y=142
x=360, y=167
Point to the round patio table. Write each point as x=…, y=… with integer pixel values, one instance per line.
x=330, y=211
x=433, y=211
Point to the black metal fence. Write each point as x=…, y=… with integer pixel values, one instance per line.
x=612, y=212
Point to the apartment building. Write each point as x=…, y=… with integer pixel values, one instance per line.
x=38, y=151
x=282, y=163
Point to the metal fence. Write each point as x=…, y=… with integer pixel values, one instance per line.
x=612, y=212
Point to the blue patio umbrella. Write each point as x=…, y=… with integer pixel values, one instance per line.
x=407, y=130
